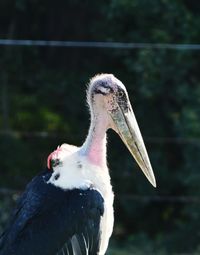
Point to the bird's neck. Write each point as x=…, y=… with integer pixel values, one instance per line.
x=94, y=148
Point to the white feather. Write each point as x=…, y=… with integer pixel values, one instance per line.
x=77, y=172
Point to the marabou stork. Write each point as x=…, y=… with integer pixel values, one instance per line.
x=68, y=209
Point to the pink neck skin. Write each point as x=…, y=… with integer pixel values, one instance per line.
x=94, y=147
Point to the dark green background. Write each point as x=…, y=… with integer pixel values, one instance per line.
x=42, y=93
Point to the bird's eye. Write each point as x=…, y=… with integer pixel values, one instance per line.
x=120, y=94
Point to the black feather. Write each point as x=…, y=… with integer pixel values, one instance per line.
x=48, y=218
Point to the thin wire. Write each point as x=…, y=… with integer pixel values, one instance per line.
x=46, y=134
x=87, y=44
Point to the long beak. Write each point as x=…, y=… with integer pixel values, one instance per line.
x=126, y=126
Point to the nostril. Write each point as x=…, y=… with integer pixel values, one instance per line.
x=120, y=94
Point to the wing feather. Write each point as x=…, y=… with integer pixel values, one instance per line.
x=49, y=220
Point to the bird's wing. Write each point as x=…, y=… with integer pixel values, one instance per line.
x=52, y=221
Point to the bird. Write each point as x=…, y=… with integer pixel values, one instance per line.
x=68, y=208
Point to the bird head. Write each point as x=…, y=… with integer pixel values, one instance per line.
x=108, y=96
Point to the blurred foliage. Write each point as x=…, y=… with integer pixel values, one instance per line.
x=43, y=90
